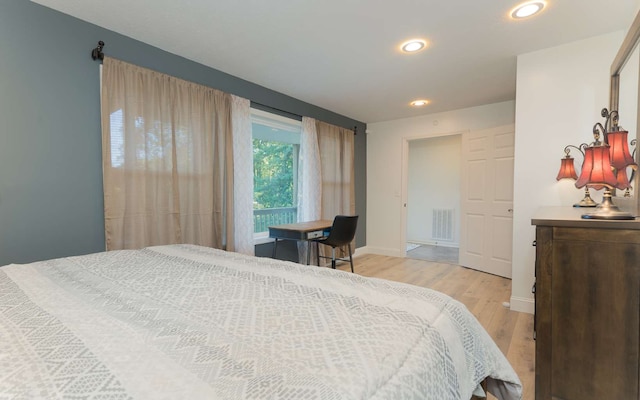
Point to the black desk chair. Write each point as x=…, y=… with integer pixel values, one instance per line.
x=342, y=233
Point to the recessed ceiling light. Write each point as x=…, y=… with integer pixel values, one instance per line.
x=413, y=45
x=528, y=9
x=419, y=103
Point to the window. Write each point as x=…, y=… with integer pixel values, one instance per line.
x=276, y=144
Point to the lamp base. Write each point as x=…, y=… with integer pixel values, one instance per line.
x=587, y=201
x=608, y=210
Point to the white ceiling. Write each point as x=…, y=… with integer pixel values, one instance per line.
x=343, y=55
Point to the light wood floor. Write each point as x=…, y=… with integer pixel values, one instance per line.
x=482, y=293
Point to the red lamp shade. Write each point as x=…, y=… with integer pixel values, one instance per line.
x=567, y=169
x=623, y=180
x=596, y=170
x=620, y=155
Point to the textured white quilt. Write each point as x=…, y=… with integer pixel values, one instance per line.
x=187, y=322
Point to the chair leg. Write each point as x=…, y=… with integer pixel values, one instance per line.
x=350, y=258
x=333, y=257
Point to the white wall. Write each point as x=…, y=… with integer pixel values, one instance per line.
x=433, y=182
x=559, y=94
x=385, y=161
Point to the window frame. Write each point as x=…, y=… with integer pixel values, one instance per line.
x=289, y=130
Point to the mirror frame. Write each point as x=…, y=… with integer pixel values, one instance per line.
x=629, y=44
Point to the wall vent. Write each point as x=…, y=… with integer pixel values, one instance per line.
x=442, y=224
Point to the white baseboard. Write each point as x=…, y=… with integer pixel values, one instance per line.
x=435, y=243
x=522, y=304
x=378, y=250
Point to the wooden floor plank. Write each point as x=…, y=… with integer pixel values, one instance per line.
x=483, y=294
x=522, y=354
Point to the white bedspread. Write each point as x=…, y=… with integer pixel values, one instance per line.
x=187, y=322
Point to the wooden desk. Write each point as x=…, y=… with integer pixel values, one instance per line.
x=299, y=231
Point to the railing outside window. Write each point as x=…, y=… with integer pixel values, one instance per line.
x=264, y=218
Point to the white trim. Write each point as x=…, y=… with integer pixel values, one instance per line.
x=275, y=121
x=522, y=304
x=380, y=251
x=360, y=251
x=435, y=243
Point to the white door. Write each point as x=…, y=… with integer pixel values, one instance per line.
x=486, y=209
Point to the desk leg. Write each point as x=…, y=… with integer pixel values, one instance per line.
x=275, y=246
x=308, y=252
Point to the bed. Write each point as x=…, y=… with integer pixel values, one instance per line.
x=189, y=322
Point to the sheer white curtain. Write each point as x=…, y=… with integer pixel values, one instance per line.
x=243, y=175
x=309, y=179
x=167, y=160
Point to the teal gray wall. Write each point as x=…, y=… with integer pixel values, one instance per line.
x=51, y=202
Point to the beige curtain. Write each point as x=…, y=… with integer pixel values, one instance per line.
x=336, y=158
x=336, y=146
x=167, y=159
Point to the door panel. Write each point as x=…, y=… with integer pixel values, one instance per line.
x=487, y=200
x=475, y=244
x=476, y=182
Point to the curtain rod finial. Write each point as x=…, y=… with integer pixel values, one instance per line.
x=97, y=53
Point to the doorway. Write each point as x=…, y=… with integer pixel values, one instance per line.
x=483, y=223
x=433, y=198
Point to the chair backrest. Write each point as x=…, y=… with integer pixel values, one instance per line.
x=343, y=230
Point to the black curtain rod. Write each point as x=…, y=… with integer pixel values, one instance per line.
x=97, y=54
x=284, y=113
x=274, y=110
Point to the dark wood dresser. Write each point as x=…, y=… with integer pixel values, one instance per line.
x=587, y=299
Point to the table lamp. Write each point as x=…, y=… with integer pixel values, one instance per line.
x=568, y=171
x=605, y=166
